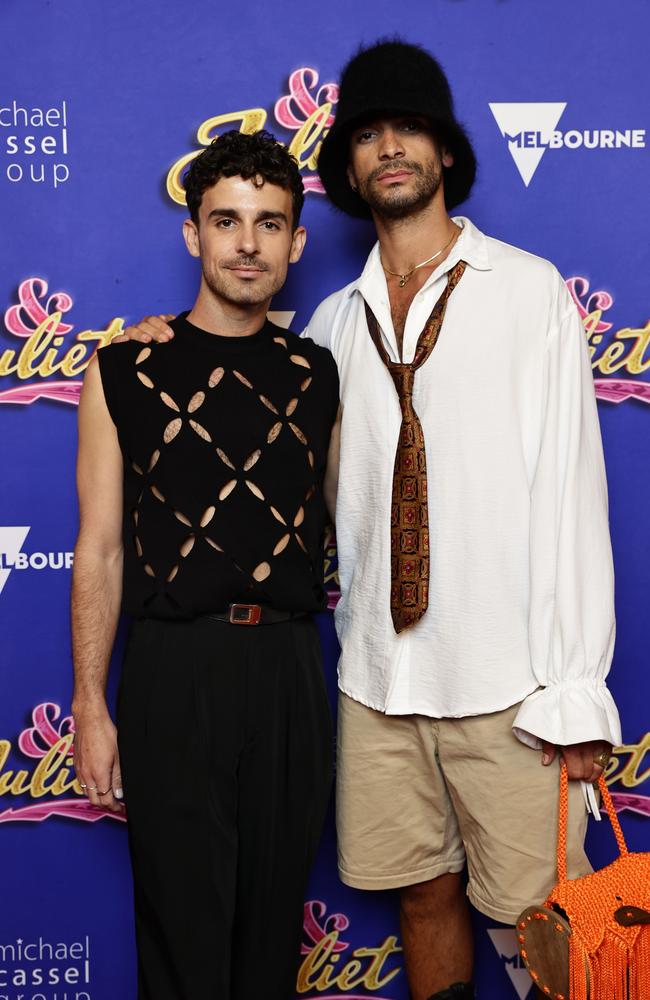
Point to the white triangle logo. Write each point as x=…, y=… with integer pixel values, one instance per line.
x=11, y=543
x=528, y=129
x=505, y=943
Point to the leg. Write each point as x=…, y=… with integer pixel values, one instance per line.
x=436, y=935
x=394, y=819
x=284, y=786
x=507, y=807
x=181, y=813
x=397, y=829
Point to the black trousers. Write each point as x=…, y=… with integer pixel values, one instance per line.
x=226, y=748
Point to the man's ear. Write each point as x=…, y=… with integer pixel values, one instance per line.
x=191, y=237
x=298, y=241
x=447, y=158
x=352, y=181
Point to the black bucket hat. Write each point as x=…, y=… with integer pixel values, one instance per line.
x=394, y=78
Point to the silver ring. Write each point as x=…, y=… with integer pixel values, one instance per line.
x=81, y=785
x=92, y=788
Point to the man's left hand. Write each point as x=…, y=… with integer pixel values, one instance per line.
x=148, y=329
x=579, y=758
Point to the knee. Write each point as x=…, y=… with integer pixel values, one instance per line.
x=431, y=896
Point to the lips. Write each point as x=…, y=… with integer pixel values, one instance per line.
x=249, y=272
x=395, y=177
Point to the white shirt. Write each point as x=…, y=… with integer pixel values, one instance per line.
x=521, y=591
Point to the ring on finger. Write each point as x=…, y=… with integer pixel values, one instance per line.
x=103, y=793
x=602, y=758
x=81, y=785
x=92, y=788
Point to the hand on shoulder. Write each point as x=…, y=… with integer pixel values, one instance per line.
x=150, y=328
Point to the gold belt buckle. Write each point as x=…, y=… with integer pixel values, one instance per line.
x=245, y=614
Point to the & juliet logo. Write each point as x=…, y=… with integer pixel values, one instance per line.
x=43, y=347
x=306, y=111
x=627, y=350
x=331, y=964
x=46, y=778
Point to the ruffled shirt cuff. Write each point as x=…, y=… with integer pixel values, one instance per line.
x=571, y=711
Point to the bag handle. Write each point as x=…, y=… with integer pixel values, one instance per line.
x=563, y=817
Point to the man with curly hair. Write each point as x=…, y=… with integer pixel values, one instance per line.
x=201, y=473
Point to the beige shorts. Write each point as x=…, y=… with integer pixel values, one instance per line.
x=417, y=797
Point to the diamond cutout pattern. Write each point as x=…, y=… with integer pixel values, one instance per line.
x=187, y=418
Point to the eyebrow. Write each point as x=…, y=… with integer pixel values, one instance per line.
x=376, y=122
x=232, y=213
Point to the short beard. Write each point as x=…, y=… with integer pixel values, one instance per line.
x=239, y=293
x=396, y=204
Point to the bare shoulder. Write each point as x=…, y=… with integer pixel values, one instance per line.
x=93, y=410
x=92, y=381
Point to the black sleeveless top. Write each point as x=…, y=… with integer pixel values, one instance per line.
x=224, y=441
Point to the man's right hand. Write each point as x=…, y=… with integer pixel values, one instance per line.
x=96, y=758
x=148, y=329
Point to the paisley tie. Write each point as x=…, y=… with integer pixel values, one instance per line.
x=409, y=516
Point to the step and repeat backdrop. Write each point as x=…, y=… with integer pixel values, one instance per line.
x=101, y=107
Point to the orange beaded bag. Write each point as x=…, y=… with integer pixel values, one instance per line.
x=590, y=940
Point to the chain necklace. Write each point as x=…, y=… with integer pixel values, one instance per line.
x=403, y=278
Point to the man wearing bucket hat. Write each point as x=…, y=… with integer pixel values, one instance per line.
x=476, y=620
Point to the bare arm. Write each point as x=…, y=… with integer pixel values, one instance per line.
x=330, y=486
x=96, y=592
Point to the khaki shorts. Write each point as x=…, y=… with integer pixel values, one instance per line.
x=417, y=797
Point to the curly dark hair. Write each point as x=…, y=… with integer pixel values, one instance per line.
x=235, y=154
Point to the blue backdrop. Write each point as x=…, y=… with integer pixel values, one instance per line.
x=98, y=102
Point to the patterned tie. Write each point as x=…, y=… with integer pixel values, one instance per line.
x=409, y=516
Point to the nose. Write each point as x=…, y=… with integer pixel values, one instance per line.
x=247, y=242
x=391, y=146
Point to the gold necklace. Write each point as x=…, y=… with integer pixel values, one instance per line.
x=403, y=278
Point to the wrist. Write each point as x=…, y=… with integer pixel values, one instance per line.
x=87, y=706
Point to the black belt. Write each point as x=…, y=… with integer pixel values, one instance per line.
x=255, y=614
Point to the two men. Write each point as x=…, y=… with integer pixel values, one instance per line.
x=200, y=472
x=476, y=619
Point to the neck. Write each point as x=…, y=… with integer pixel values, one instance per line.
x=406, y=242
x=228, y=319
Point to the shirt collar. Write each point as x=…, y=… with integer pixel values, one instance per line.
x=471, y=246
